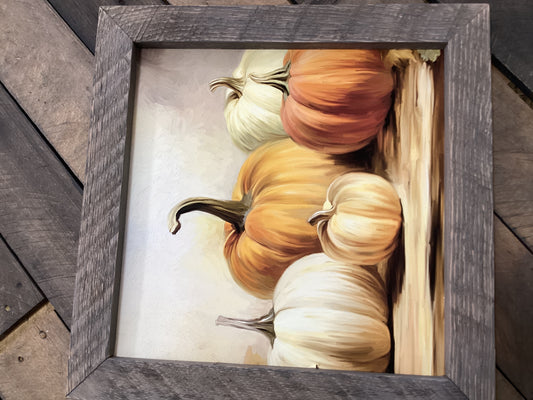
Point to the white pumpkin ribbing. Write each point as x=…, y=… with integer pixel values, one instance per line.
x=329, y=315
x=253, y=116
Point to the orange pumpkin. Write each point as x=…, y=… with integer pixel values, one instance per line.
x=337, y=100
x=279, y=186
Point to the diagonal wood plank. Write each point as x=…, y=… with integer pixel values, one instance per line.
x=49, y=72
x=40, y=207
x=513, y=158
x=33, y=358
x=513, y=309
x=82, y=15
x=18, y=294
x=505, y=390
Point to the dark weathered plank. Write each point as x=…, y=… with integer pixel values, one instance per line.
x=123, y=378
x=102, y=221
x=18, y=294
x=468, y=238
x=40, y=206
x=505, y=390
x=82, y=15
x=33, y=358
x=49, y=72
x=513, y=159
x=514, y=309
x=215, y=27
x=511, y=38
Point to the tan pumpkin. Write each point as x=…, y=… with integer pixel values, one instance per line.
x=360, y=220
x=279, y=186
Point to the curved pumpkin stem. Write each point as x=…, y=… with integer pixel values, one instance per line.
x=277, y=78
x=231, y=211
x=264, y=324
x=235, y=84
x=322, y=215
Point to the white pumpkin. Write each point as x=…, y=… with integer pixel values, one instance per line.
x=326, y=315
x=252, y=110
x=360, y=220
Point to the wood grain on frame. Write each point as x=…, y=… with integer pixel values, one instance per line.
x=468, y=231
x=423, y=26
x=82, y=15
x=468, y=235
x=98, y=278
x=511, y=38
x=132, y=379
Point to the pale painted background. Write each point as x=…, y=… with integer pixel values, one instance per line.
x=174, y=287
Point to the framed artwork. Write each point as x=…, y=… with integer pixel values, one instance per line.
x=331, y=197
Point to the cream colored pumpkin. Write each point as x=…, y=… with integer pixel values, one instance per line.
x=360, y=220
x=252, y=110
x=326, y=315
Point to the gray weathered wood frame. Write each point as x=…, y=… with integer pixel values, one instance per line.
x=461, y=30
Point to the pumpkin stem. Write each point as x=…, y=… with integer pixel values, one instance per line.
x=277, y=78
x=264, y=324
x=322, y=215
x=235, y=84
x=231, y=211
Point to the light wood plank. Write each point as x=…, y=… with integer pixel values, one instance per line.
x=40, y=207
x=18, y=294
x=513, y=158
x=514, y=309
x=33, y=358
x=49, y=72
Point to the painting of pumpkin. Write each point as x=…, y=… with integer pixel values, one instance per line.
x=325, y=185
x=252, y=110
x=279, y=186
x=326, y=315
x=360, y=220
x=336, y=100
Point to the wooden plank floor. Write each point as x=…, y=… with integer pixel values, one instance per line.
x=46, y=66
